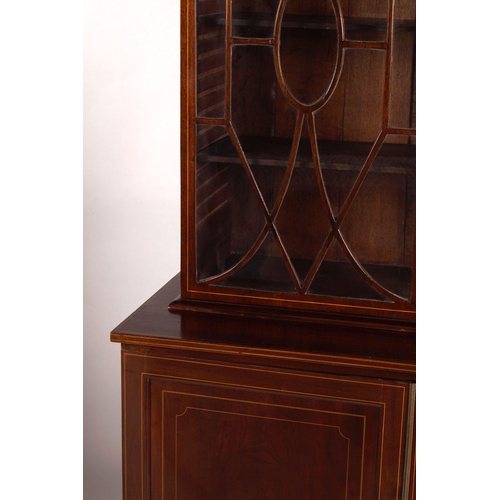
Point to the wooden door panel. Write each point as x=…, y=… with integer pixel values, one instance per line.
x=220, y=431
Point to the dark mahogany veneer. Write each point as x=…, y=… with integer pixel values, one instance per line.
x=228, y=407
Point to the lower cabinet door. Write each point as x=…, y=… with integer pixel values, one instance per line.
x=213, y=431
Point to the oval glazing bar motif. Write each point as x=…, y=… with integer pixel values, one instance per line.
x=333, y=50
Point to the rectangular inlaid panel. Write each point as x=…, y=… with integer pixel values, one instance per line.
x=223, y=448
x=200, y=430
x=248, y=456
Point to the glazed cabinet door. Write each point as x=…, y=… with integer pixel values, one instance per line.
x=299, y=154
x=215, y=431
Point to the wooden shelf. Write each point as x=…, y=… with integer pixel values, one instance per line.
x=314, y=22
x=338, y=279
x=334, y=155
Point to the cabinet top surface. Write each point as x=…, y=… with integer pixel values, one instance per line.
x=378, y=351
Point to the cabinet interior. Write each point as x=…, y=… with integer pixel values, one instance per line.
x=305, y=147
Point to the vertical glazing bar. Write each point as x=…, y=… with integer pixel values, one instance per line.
x=413, y=295
x=229, y=15
x=188, y=138
x=388, y=64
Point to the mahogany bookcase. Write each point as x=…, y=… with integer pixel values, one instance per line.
x=280, y=363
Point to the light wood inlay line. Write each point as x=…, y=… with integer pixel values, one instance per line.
x=177, y=417
x=273, y=371
x=269, y=353
x=271, y=405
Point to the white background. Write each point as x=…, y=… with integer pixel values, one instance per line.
x=124, y=226
x=60, y=375
x=131, y=199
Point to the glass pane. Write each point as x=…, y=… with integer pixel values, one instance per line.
x=254, y=18
x=337, y=277
x=349, y=124
x=228, y=216
x=308, y=49
x=260, y=112
x=265, y=271
x=402, y=101
x=379, y=226
x=211, y=58
x=364, y=94
x=404, y=13
x=302, y=222
x=253, y=91
x=366, y=20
